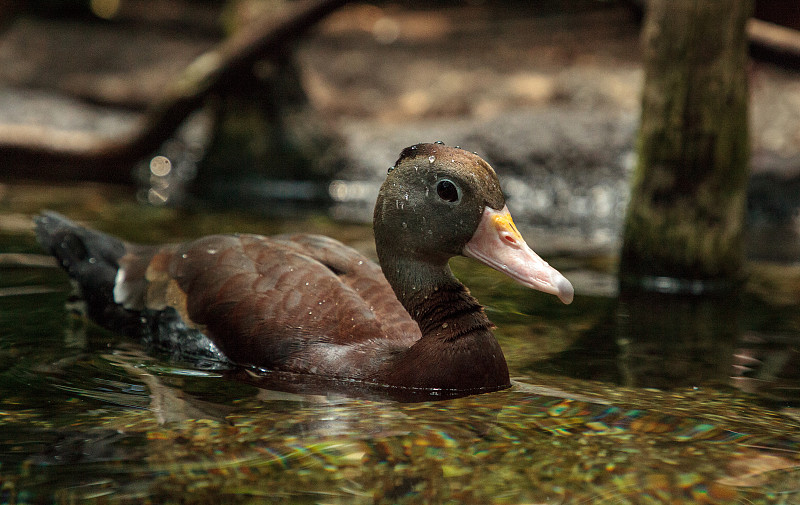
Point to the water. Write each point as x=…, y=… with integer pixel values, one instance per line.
x=629, y=399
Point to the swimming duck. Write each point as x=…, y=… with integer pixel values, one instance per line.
x=308, y=304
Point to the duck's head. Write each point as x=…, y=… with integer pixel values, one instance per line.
x=438, y=202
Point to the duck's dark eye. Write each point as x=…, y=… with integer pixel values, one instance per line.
x=447, y=191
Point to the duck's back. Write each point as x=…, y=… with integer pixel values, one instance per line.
x=296, y=302
x=265, y=301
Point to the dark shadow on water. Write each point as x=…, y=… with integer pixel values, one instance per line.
x=667, y=340
x=656, y=340
x=677, y=341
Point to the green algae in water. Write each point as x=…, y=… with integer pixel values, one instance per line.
x=508, y=447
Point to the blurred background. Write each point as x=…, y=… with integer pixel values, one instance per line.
x=548, y=93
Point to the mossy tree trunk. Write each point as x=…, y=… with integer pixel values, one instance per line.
x=687, y=209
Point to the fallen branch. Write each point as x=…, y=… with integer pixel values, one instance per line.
x=71, y=156
x=774, y=37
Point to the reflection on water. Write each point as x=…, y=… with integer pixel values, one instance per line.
x=672, y=341
x=616, y=400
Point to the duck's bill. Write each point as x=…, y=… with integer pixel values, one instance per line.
x=498, y=244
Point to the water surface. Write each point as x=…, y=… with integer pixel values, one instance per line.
x=632, y=399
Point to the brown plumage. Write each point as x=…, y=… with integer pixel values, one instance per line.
x=308, y=304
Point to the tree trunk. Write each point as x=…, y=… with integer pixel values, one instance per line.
x=687, y=209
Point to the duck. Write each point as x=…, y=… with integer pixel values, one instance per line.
x=308, y=304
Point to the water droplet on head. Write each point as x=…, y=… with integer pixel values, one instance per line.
x=431, y=158
x=439, y=142
x=390, y=169
x=184, y=255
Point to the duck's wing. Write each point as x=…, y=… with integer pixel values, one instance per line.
x=267, y=301
x=365, y=277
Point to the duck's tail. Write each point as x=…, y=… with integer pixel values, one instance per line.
x=91, y=258
x=115, y=296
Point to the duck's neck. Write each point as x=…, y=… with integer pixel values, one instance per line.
x=458, y=349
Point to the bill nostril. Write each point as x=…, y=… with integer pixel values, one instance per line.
x=510, y=239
